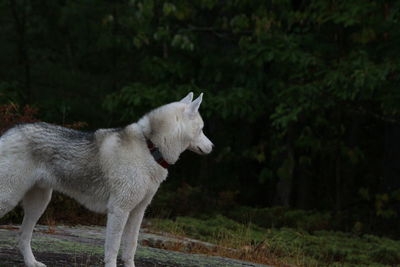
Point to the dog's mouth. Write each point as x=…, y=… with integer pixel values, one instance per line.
x=198, y=150
x=202, y=152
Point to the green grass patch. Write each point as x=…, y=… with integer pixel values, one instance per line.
x=288, y=245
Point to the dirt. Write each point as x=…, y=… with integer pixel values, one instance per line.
x=83, y=246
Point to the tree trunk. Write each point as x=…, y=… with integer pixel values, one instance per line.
x=286, y=173
x=20, y=23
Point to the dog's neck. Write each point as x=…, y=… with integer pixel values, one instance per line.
x=169, y=150
x=155, y=152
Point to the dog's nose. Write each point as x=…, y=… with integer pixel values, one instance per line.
x=210, y=148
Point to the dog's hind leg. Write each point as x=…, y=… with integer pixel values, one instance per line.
x=9, y=197
x=34, y=203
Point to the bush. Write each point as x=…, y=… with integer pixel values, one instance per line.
x=12, y=114
x=282, y=217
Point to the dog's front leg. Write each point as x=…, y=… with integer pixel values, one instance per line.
x=131, y=233
x=116, y=220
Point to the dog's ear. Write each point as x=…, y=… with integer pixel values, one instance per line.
x=193, y=107
x=187, y=99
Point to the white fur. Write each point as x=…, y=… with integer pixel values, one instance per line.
x=130, y=176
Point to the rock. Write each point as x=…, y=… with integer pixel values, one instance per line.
x=83, y=246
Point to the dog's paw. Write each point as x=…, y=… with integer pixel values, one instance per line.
x=36, y=264
x=39, y=264
x=129, y=263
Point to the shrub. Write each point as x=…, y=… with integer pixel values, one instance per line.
x=283, y=217
x=12, y=114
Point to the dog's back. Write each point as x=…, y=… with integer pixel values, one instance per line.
x=51, y=156
x=45, y=139
x=49, y=146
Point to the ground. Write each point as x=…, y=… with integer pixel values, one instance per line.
x=83, y=246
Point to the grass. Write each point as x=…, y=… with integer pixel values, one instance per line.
x=282, y=247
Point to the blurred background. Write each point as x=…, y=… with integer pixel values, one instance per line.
x=301, y=99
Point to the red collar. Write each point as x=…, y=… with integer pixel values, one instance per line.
x=155, y=152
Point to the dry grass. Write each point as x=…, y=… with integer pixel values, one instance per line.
x=239, y=245
x=278, y=247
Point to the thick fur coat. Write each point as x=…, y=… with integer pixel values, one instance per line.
x=109, y=171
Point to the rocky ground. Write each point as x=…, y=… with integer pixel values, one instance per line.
x=83, y=246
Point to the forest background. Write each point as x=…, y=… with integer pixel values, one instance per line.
x=301, y=98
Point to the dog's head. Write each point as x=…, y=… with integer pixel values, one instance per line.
x=176, y=127
x=193, y=123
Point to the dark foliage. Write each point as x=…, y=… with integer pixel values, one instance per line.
x=301, y=97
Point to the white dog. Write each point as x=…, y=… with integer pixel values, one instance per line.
x=113, y=171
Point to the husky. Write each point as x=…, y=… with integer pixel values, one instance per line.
x=112, y=171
